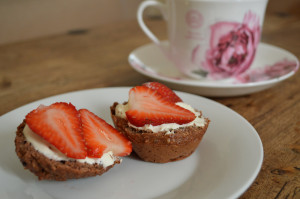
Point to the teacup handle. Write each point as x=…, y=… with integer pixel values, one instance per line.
x=141, y=22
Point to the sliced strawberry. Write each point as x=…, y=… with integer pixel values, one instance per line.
x=164, y=91
x=146, y=106
x=60, y=125
x=100, y=137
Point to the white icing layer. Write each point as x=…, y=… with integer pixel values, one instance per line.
x=53, y=153
x=169, y=127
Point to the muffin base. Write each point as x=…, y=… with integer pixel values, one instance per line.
x=48, y=169
x=160, y=147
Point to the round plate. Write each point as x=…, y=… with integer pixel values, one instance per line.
x=270, y=66
x=225, y=164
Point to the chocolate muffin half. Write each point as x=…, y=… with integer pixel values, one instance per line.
x=48, y=169
x=162, y=146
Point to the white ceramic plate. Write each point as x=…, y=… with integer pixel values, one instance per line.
x=225, y=164
x=149, y=61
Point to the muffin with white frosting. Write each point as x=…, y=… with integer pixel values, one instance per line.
x=160, y=126
x=58, y=142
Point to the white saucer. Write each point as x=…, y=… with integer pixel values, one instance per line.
x=149, y=61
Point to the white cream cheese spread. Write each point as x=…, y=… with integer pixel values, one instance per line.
x=53, y=153
x=169, y=127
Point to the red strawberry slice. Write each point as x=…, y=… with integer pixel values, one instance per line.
x=146, y=106
x=100, y=137
x=60, y=125
x=164, y=91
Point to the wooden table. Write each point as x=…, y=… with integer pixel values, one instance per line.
x=97, y=58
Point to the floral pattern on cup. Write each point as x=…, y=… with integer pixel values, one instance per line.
x=232, y=47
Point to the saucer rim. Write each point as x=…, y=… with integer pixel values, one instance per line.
x=216, y=84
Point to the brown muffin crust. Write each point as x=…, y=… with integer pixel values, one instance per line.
x=160, y=147
x=47, y=169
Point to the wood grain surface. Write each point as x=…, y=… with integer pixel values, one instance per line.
x=95, y=58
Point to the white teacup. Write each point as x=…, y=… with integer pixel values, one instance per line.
x=214, y=37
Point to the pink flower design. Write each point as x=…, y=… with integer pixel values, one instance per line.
x=232, y=46
x=268, y=72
